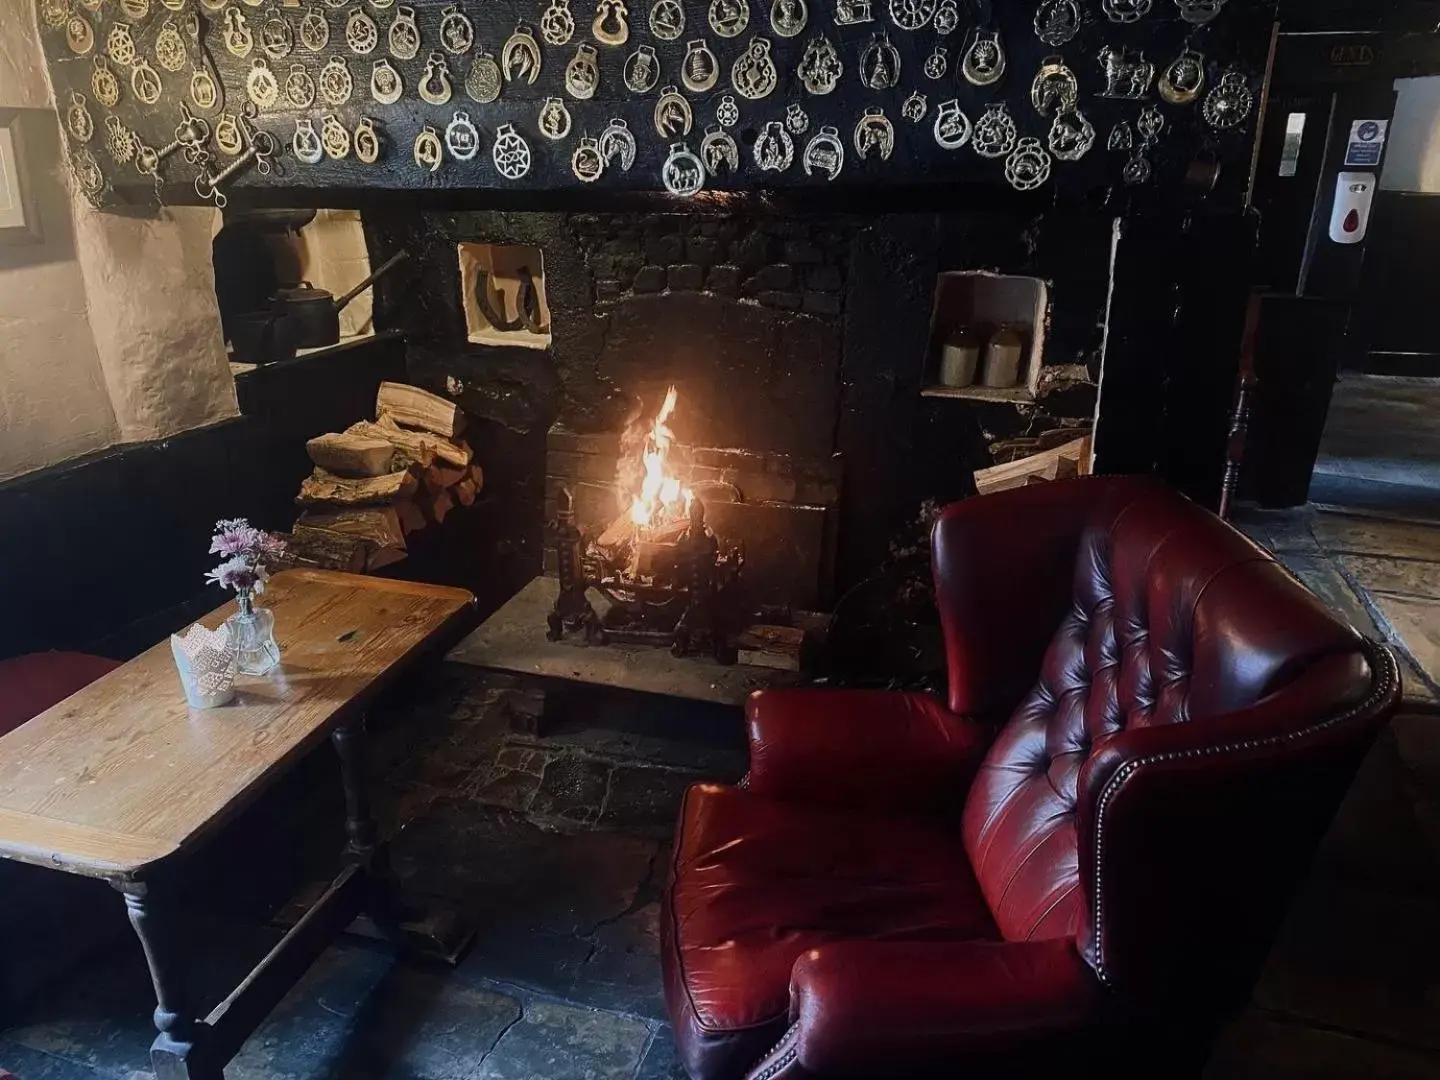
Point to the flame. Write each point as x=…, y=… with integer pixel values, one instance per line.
x=662, y=497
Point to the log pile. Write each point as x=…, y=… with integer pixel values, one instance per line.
x=379, y=481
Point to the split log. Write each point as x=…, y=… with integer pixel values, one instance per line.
x=375, y=532
x=380, y=525
x=412, y=518
x=776, y=647
x=323, y=488
x=437, y=506
x=326, y=550
x=423, y=449
x=439, y=476
x=477, y=476
x=351, y=455
x=465, y=492
x=1071, y=459
x=617, y=537
x=419, y=450
x=416, y=408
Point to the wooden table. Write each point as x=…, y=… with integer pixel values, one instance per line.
x=122, y=779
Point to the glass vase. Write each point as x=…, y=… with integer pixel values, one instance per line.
x=252, y=630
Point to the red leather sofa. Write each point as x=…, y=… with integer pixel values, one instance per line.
x=1149, y=725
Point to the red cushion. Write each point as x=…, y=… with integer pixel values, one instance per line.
x=31, y=684
x=756, y=882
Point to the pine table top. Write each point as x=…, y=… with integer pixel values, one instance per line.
x=123, y=774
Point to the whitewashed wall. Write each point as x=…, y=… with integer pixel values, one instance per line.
x=109, y=330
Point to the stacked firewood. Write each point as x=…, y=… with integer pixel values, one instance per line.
x=378, y=481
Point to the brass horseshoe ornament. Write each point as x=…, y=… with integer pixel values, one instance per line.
x=611, y=25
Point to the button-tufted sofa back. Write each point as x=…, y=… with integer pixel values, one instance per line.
x=1177, y=637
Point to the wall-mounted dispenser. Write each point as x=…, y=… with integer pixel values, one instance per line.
x=1354, y=195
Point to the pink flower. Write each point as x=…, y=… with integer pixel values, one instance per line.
x=236, y=573
x=247, y=552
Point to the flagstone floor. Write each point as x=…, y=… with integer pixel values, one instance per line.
x=1352, y=988
x=1382, y=575
x=1381, y=447
x=555, y=848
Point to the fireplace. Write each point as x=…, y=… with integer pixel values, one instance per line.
x=743, y=322
x=803, y=353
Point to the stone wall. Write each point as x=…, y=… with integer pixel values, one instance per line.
x=741, y=314
x=790, y=265
x=150, y=287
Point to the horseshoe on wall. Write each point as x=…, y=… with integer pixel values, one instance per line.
x=528, y=303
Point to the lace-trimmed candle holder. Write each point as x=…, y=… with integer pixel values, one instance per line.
x=205, y=660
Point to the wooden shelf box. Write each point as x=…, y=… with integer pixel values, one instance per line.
x=985, y=301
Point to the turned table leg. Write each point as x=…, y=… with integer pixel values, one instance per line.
x=363, y=847
x=435, y=930
x=178, y=1051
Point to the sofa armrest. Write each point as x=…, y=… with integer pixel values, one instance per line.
x=892, y=1008
x=873, y=750
x=1220, y=815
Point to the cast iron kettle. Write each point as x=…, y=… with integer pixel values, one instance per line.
x=314, y=314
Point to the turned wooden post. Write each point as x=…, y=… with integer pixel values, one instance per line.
x=1240, y=417
x=362, y=835
x=176, y=1053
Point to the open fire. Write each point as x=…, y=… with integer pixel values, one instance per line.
x=662, y=499
x=662, y=570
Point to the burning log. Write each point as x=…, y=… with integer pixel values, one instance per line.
x=661, y=566
x=415, y=408
x=613, y=545
x=661, y=498
x=641, y=543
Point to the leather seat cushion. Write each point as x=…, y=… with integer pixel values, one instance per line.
x=31, y=684
x=756, y=882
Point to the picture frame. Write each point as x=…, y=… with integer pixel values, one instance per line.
x=19, y=217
